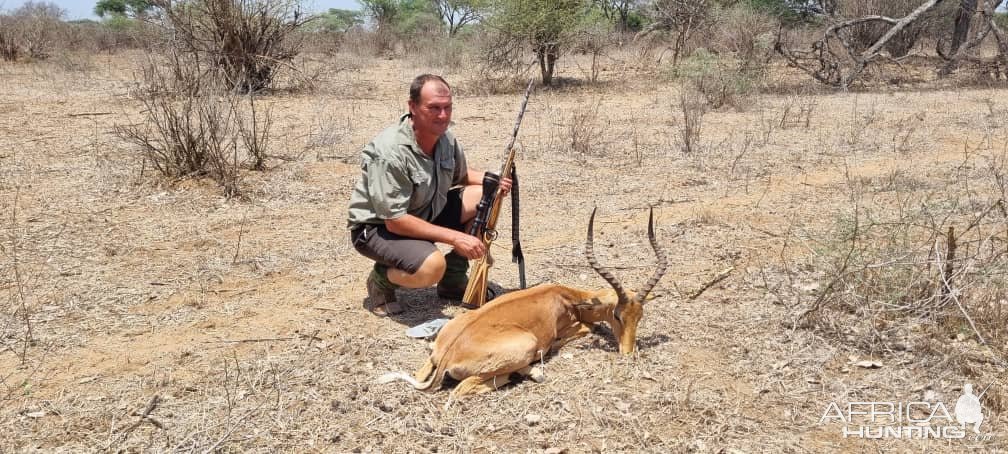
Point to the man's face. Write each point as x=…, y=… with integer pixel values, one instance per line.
x=432, y=114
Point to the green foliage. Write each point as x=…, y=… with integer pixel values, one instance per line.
x=457, y=13
x=635, y=21
x=417, y=16
x=129, y=8
x=539, y=20
x=119, y=23
x=1001, y=19
x=338, y=20
x=401, y=16
x=547, y=26
x=780, y=8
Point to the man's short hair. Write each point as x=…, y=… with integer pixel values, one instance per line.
x=418, y=83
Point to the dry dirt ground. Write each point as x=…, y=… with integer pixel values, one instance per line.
x=141, y=314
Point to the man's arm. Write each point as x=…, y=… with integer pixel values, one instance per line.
x=411, y=226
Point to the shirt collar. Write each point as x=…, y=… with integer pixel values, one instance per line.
x=408, y=137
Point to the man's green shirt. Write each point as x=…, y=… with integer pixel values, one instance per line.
x=397, y=178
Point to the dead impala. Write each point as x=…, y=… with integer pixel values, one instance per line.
x=483, y=347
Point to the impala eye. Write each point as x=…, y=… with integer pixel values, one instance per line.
x=617, y=313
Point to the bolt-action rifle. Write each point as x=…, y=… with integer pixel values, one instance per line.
x=485, y=224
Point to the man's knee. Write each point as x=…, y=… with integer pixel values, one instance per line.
x=431, y=270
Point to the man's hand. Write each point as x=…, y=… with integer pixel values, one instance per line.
x=475, y=178
x=505, y=186
x=468, y=246
x=411, y=226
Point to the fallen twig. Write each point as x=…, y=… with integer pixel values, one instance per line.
x=242, y=341
x=720, y=277
x=264, y=339
x=145, y=416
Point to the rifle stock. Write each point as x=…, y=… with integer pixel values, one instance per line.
x=476, y=289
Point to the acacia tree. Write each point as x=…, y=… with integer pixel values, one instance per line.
x=547, y=26
x=126, y=8
x=339, y=20
x=457, y=13
x=405, y=17
x=382, y=12
x=618, y=11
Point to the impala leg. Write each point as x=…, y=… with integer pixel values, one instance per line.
x=577, y=331
x=536, y=373
x=424, y=371
x=478, y=385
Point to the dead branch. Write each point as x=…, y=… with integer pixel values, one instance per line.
x=720, y=277
x=999, y=35
x=145, y=416
x=841, y=70
x=946, y=286
x=88, y=114
x=961, y=52
x=243, y=341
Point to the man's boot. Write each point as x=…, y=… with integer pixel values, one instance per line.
x=381, y=293
x=454, y=281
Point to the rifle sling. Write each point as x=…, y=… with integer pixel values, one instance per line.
x=516, y=252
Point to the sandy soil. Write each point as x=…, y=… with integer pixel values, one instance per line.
x=237, y=325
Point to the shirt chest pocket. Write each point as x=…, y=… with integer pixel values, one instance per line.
x=419, y=177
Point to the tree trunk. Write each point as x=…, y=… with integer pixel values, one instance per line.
x=547, y=56
x=967, y=8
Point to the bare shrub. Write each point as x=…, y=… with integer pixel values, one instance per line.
x=365, y=43
x=248, y=40
x=30, y=31
x=441, y=51
x=797, y=111
x=719, y=79
x=680, y=21
x=692, y=107
x=583, y=129
x=9, y=48
x=748, y=36
x=194, y=127
x=500, y=63
x=897, y=272
x=112, y=34
x=593, y=40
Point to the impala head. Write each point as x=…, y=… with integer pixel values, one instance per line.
x=626, y=307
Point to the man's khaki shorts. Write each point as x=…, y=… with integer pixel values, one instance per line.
x=375, y=242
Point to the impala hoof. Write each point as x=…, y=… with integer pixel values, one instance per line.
x=537, y=374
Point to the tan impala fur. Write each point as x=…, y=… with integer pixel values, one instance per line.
x=482, y=348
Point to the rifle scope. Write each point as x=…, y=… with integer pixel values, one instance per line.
x=490, y=184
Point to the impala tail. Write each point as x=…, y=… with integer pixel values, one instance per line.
x=426, y=373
